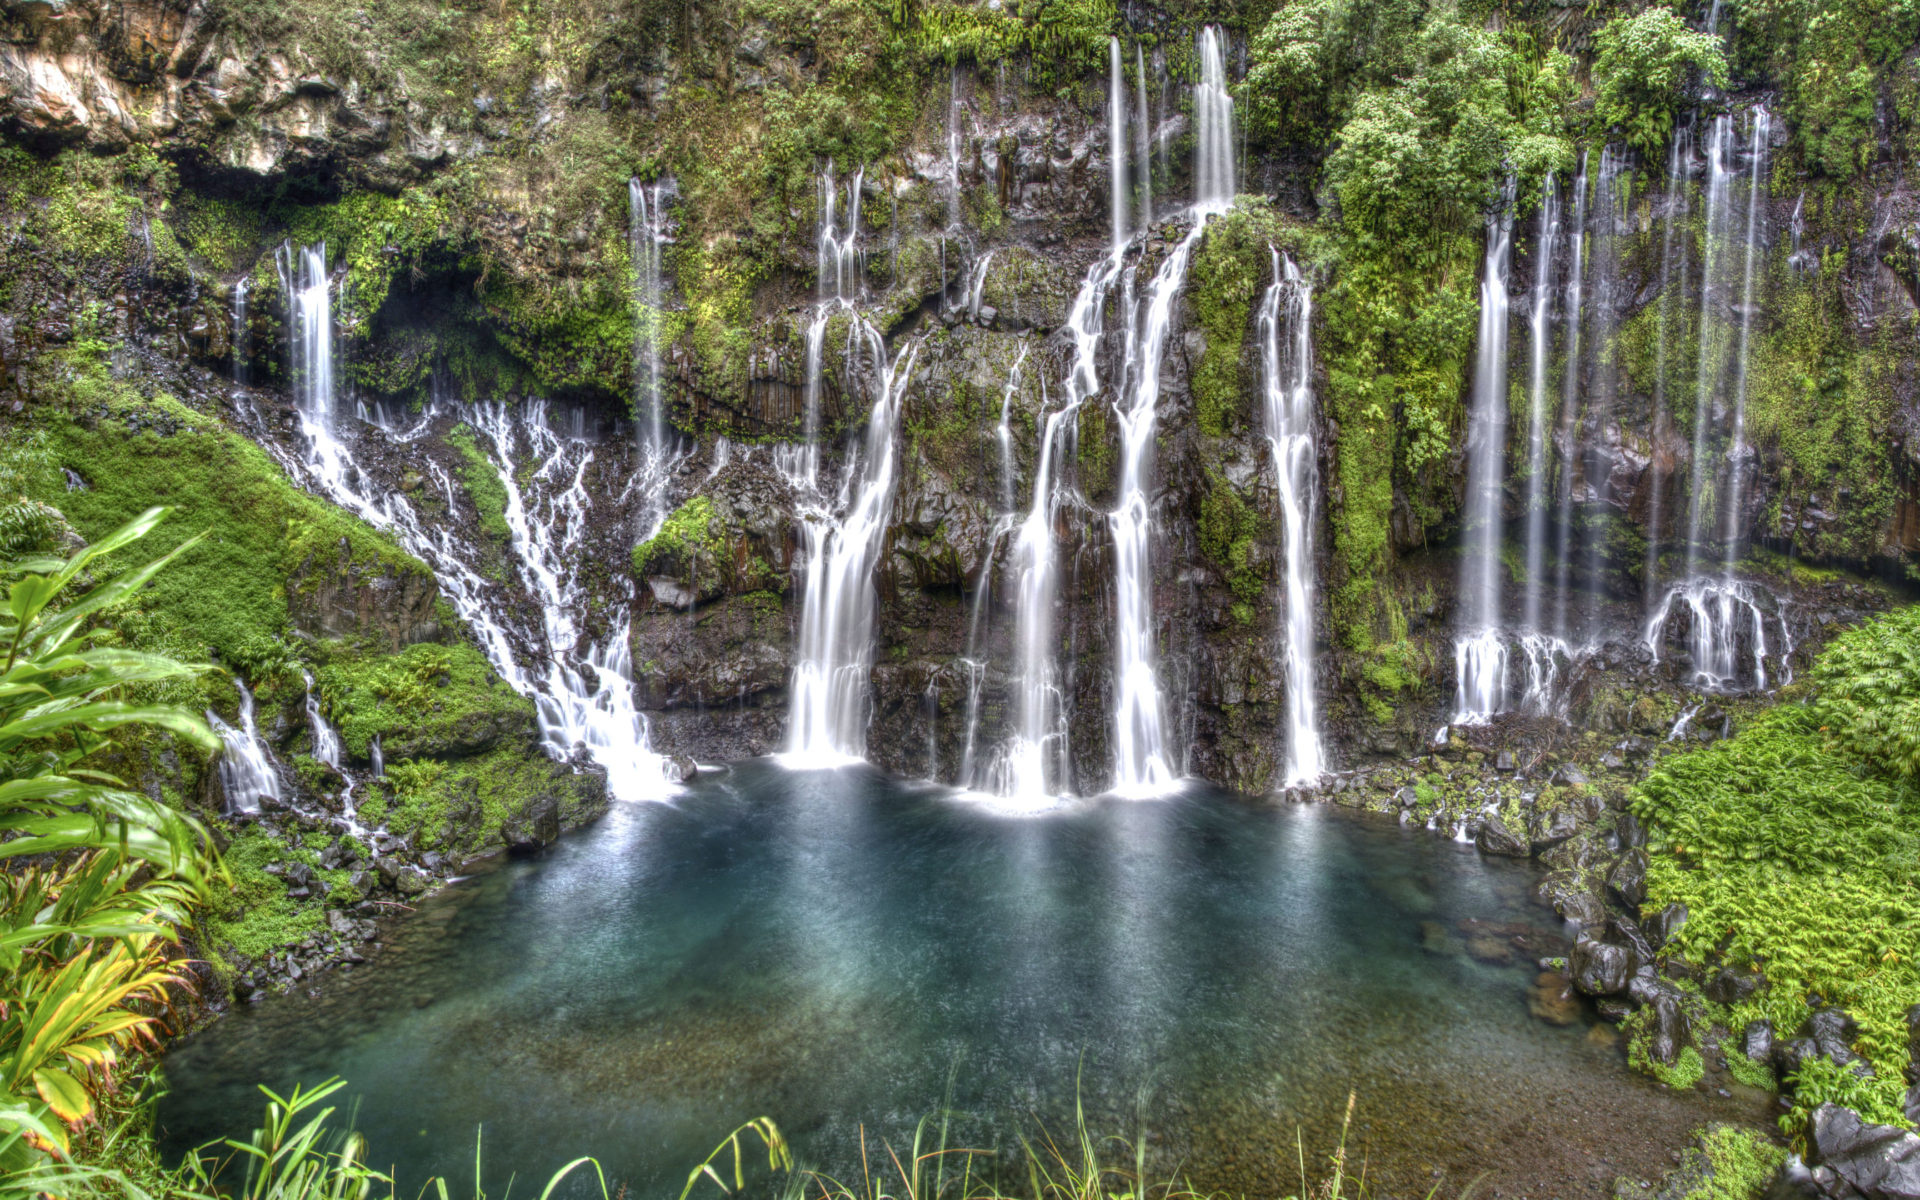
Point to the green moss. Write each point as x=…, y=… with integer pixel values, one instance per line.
x=1792, y=845
x=255, y=916
x=1228, y=527
x=691, y=546
x=458, y=807
x=229, y=592
x=427, y=696
x=1753, y=1074
x=1686, y=1069
x=1229, y=271
x=482, y=481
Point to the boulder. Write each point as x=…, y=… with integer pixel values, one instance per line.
x=410, y=880
x=1664, y=924
x=534, y=829
x=1833, y=1031
x=1756, y=1042
x=1913, y=1044
x=1731, y=986
x=1600, y=968
x=1495, y=838
x=1550, y=829
x=1788, y=1055
x=1627, y=882
x=1671, y=1029
x=1879, y=1162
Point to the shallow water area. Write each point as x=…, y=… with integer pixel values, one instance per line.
x=834, y=949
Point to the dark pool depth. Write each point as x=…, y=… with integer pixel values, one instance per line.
x=837, y=949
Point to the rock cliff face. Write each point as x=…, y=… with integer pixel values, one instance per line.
x=472, y=186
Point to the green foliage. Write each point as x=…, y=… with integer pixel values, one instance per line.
x=1686, y=1069
x=1869, y=700
x=1647, y=64
x=98, y=872
x=690, y=546
x=1429, y=113
x=1793, y=847
x=458, y=806
x=1729, y=1162
x=1230, y=270
x=426, y=696
x=1753, y=1074
x=483, y=483
x=229, y=592
x=1063, y=38
x=1228, y=530
x=27, y=525
x=1823, y=1081
x=1833, y=56
x=255, y=916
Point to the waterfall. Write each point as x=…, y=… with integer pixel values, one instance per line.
x=1116, y=142
x=245, y=768
x=1679, y=151
x=1480, y=653
x=585, y=697
x=240, y=332
x=835, y=655
x=1287, y=378
x=1003, y=432
x=1143, y=137
x=1722, y=612
x=1714, y=286
x=837, y=268
x=647, y=232
x=953, y=152
x=1739, y=454
x=1570, y=401
x=1213, y=173
x=1539, y=349
x=1609, y=201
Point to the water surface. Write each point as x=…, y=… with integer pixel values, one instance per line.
x=838, y=950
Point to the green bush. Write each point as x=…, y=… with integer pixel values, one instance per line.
x=1644, y=72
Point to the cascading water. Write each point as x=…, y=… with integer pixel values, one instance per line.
x=1544, y=652
x=835, y=655
x=1117, y=141
x=240, y=339
x=1679, y=151
x=1570, y=401
x=1143, y=137
x=585, y=697
x=1141, y=764
x=1213, y=168
x=1723, y=612
x=1480, y=650
x=326, y=751
x=1286, y=318
x=648, y=233
x=1610, y=201
x=837, y=269
x=245, y=768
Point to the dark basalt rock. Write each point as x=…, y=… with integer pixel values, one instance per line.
x=1664, y=924
x=534, y=829
x=1550, y=829
x=1627, y=882
x=1600, y=968
x=1833, y=1031
x=1756, y=1042
x=1876, y=1162
x=1671, y=1028
x=1731, y=986
x=1913, y=1044
x=1790, y=1055
x=1495, y=838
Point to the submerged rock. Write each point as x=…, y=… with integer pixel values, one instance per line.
x=1495, y=838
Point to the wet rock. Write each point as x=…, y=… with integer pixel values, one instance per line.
x=1550, y=829
x=411, y=880
x=1671, y=1029
x=1630, y=831
x=1495, y=838
x=1731, y=986
x=1600, y=968
x=1833, y=1031
x=1503, y=761
x=1913, y=1044
x=685, y=768
x=1613, y=1009
x=1569, y=775
x=1664, y=924
x=1627, y=882
x=1756, y=1042
x=1790, y=1055
x=1879, y=1162
x=1406, y=797
x=534, y=829
x=1551, y=999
